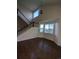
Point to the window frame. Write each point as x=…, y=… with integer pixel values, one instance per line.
x=33, y=13
x=44, y=27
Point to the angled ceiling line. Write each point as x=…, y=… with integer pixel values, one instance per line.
x=23, y=15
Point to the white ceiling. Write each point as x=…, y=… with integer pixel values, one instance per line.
x=27, y=6
x=34, y=4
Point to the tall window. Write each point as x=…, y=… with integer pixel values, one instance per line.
x=41, y=27
x=47, y=28
x=36, y=13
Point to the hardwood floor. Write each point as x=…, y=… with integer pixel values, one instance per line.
x=38, y=48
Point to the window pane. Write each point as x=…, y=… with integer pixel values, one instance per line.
x=41, y=25
x=41, y=29
x=51, y=26
x=51, y=31
x=46, y=26
x=36, y=13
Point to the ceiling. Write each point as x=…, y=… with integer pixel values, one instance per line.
x=34, y=4
x=26, y=7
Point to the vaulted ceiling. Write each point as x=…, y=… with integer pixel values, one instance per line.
x=26, y=7
x=33, y=4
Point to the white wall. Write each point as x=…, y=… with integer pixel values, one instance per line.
x=58, y=31
x=28, y=34
x=33, y=33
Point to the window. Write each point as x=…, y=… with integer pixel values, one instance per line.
x=47, y=28
x=36, y=13
x=41, y=27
